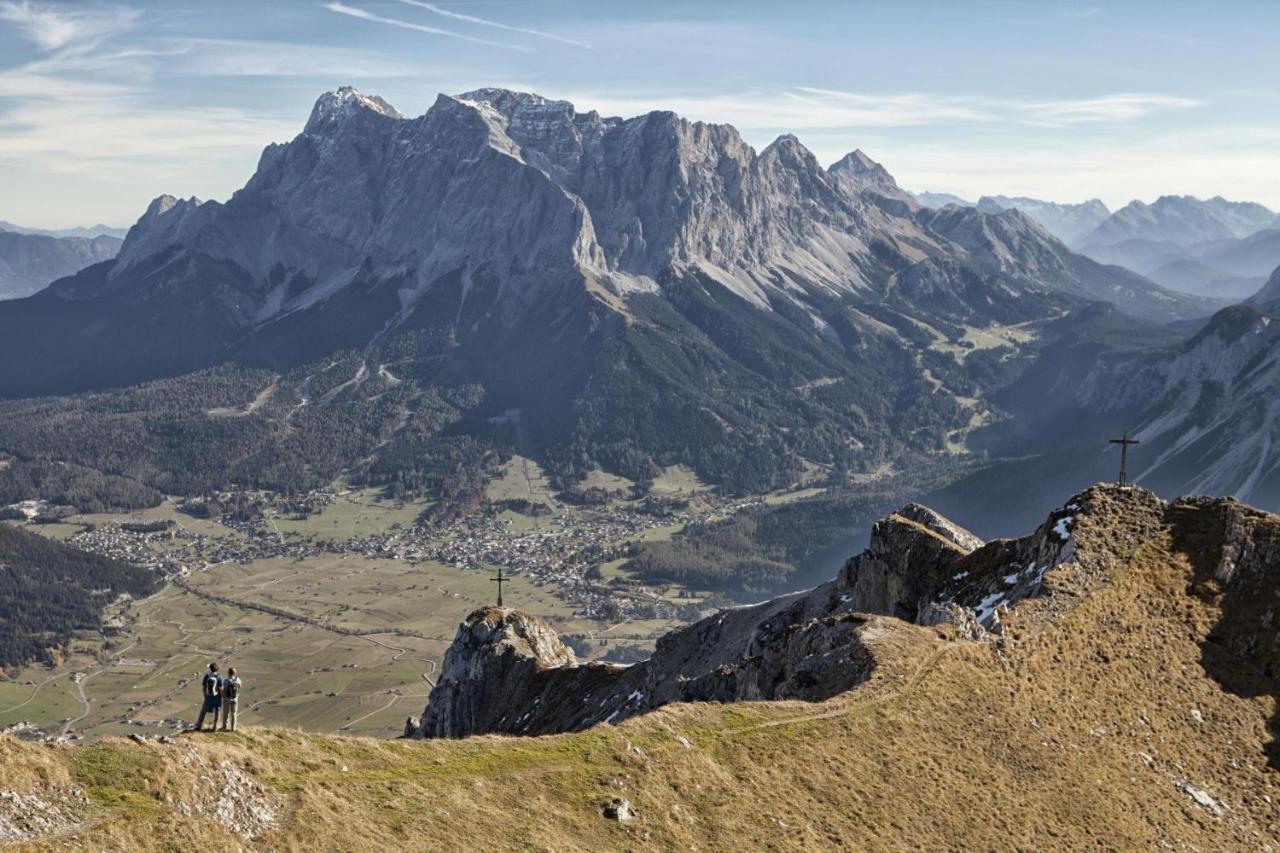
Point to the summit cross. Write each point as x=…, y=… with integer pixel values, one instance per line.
x=499, y=580
x=1124, y=442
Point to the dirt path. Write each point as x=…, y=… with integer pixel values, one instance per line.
x=253, y=405
x=349, y=726
x=84, y=697
x=34, y=692
x=886, y=697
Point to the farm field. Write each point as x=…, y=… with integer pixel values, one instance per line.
x=296, y=675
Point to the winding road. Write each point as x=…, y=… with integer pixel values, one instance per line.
x=84, y=697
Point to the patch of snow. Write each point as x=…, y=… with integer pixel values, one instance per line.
x=987, y=606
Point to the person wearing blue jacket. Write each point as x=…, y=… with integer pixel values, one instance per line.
x=211, y=687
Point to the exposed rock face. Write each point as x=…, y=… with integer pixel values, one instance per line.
x=909, y=560
x=856, y=173
x=515, y=193
x=494, y=662
x=506, y=671
x=1235, y=550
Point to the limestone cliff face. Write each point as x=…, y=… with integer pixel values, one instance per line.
x=507, y=672
x=908, y=562
x=496, y=654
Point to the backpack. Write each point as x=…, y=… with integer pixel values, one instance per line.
x=231, y=688
x=210, y=684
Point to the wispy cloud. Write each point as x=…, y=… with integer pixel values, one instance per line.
x=485, y=22
x=85, y=107
x=1123, y=107
x=366, y=15
x=804, y=108
x=57, y=28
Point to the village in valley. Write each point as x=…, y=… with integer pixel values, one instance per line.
x=338, y=604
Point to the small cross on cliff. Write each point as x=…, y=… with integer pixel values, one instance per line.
x=1124, y=442
x=499, y=580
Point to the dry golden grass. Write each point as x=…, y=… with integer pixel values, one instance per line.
x=1080, y=732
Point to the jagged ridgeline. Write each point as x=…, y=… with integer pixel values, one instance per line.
x=1107, y=680
x=507, y=671
x=404, y=297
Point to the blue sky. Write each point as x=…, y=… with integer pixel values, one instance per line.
x=105, y=104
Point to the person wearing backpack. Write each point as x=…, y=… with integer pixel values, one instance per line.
x=211, y=687
x=230, y=699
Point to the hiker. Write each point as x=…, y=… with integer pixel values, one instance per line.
x=211, y=687
x=230, y=699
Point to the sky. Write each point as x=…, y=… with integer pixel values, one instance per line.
x=105, y=105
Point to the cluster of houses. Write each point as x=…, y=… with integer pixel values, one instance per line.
x=564, y=551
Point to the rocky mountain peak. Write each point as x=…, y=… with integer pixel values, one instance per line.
x=509, y=102
x=857, y=162
x=856, y=172
x=333, y=109
x=788, y=149
x=168, y=220
x=496, y=654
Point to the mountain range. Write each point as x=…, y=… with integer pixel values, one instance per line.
x=607, y=292
x=30, y=261
x=1213, y=248
x=1067, y=222
x=1209, y=247
x=1181, y=219
x=90, y=231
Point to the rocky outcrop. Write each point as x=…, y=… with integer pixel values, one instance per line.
x=497, y=661
x=507, y=672
x=35, y=815
x=909, y=560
